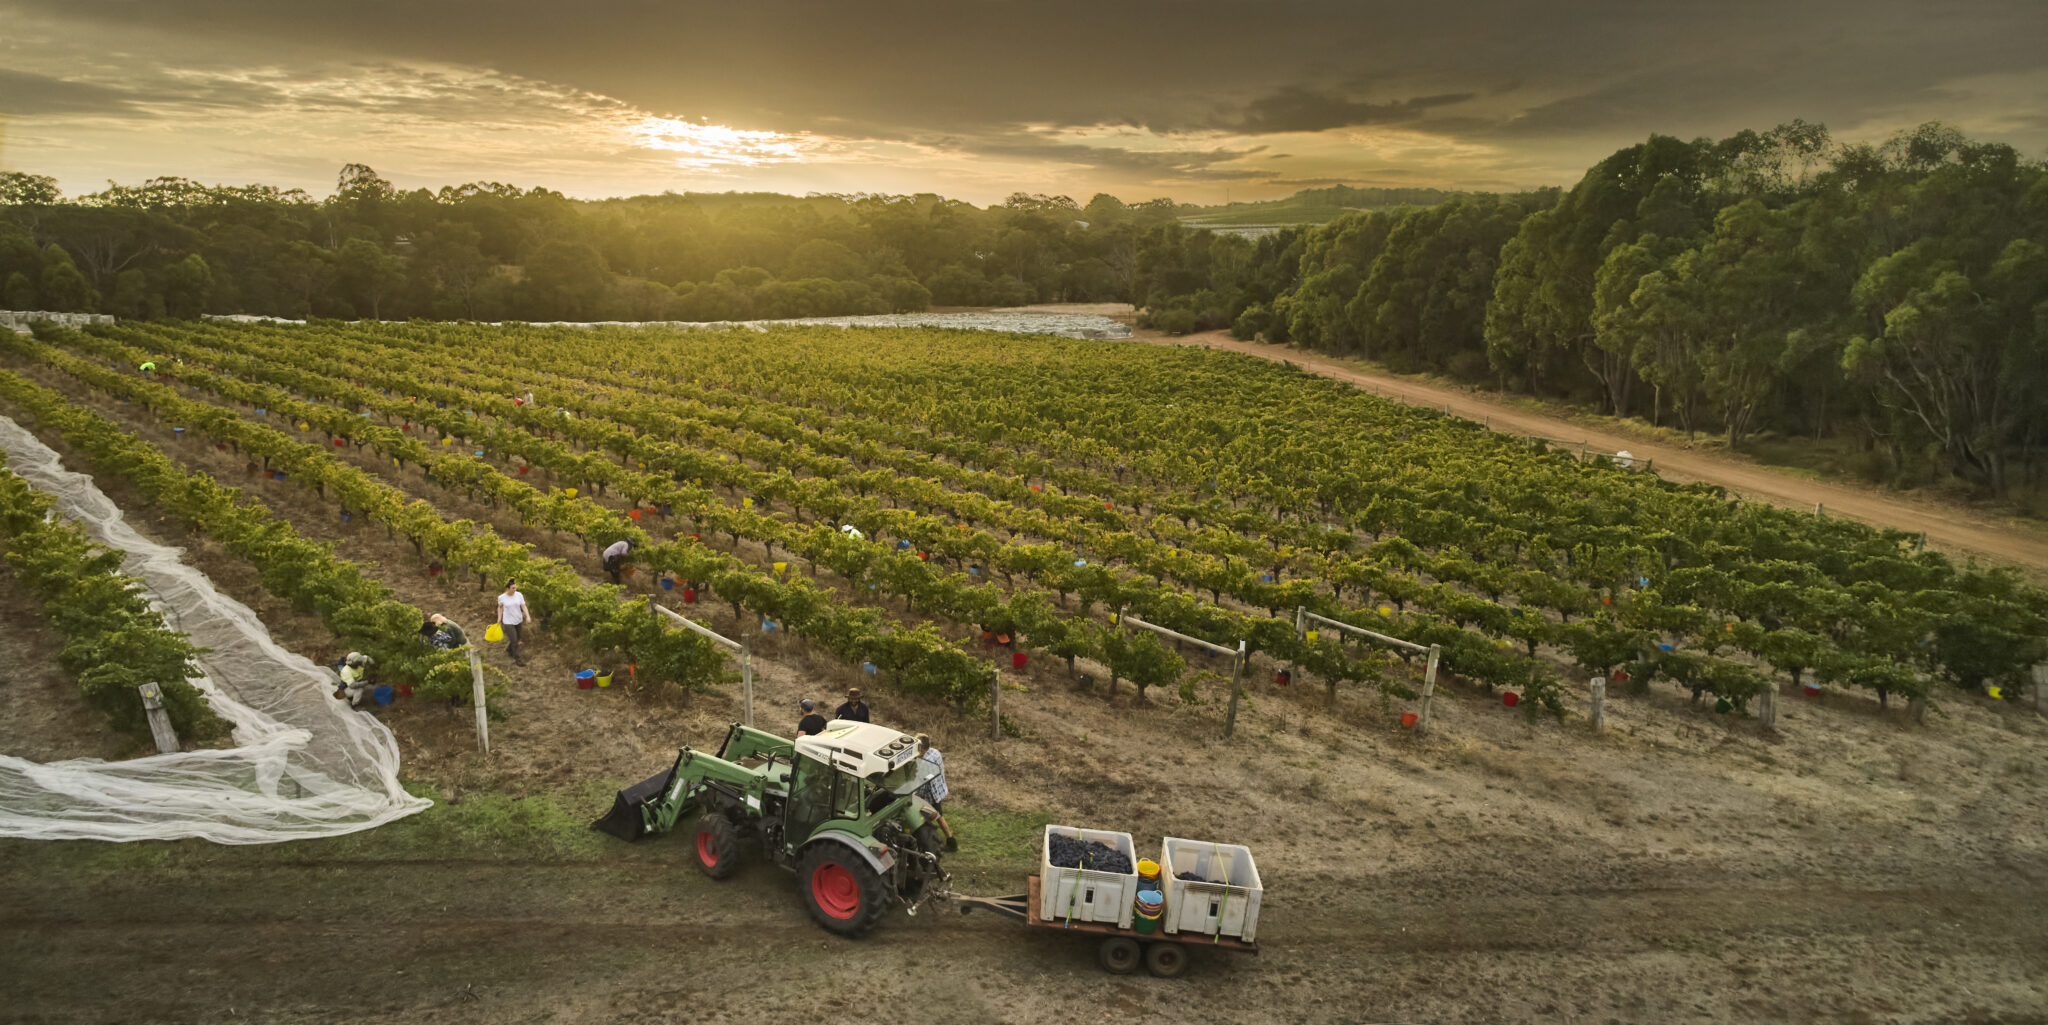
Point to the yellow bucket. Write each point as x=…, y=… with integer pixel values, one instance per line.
x=1148, y=870
x=781, y=567
x=494, y=633
x=570, y=492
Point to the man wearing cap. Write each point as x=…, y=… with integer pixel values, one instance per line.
x=853, y=709
x=812, y=723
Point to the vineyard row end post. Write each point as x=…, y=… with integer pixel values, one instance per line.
x=483, y=722
x=995, y=703
x=1236, y=681
x=1428, y=688
x=1767, y=706
x=746, y=686
x=1300, y=635
x=1599, y=714
x=160, y=728
x=2041, y=688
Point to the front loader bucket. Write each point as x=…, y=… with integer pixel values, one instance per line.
x=626, y=820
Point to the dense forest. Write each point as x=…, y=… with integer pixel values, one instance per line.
x=1775, y=282
x=488, y=251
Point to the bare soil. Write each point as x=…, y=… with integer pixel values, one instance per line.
x=42, y=716
x=1680, y=866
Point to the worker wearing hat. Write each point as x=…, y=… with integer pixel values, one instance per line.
x=812, y=723
x=853, y=709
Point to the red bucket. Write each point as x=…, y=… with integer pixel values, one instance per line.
x=689, y=596
x=1511, y=699
x=1017, y=659
x=1410, y=719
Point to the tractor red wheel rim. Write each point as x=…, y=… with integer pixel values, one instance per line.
x=706, y=851
x=835, y=890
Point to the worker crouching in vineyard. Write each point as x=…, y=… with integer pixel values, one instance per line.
x=615, y=558
x=442, y=633
x=355, y=677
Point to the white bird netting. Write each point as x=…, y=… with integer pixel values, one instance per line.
x=303, y=765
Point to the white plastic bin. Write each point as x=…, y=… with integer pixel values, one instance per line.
x=1223, y=902
x=1083, y=894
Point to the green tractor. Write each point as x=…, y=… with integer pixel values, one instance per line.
x=839, y=808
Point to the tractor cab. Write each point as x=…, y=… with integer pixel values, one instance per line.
x=848, y=776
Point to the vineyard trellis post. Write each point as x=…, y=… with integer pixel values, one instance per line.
x=483, y=722
x=746, y=655
x=1599, y=711
x=2041, y=688
x=1236, y=665
x=1767, y=706
x=160, y=728
x=1435, y=651
x=995, y=703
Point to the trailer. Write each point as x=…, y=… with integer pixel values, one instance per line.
x=1119, y=951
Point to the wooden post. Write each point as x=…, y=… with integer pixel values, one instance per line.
x=2041, y=688
x=746, y=685
x=1599, y=716
x=483, y=722
x=1300, y=635
x=1236, y=674
x=159, y=718
x=995, y=703
x=1918, y=706
x=1428, y=688
x=1767, y=707
x=1816, y=508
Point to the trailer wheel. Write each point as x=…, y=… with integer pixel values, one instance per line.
x=717, y=846
x=1166, y=959
x=1119, y=955
x=843, y=893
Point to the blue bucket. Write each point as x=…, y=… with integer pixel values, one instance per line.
x=383, y=695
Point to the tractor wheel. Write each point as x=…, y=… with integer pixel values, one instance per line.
x=1119, y=955
x=717, y=846
x=1166, y=959
x=844, y=894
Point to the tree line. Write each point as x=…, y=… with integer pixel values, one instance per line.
x=1774, y=283
x=1894, y=294
x=489, y=251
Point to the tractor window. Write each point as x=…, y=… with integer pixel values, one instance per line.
x=846, y=797
x=810, y=799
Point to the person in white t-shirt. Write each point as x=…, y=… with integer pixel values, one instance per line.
x=615, y=557
x=512, y=614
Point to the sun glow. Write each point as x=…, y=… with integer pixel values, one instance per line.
x=707, y=147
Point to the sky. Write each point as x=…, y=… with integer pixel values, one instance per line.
x=1197, y=100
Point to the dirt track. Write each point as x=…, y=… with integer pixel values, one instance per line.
x=1947, y=527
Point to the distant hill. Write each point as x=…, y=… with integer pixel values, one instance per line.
x=1311, y=206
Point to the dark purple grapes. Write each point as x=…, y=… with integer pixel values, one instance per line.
x=1069, y=852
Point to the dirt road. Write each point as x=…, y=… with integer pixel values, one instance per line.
x=1947, y=527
